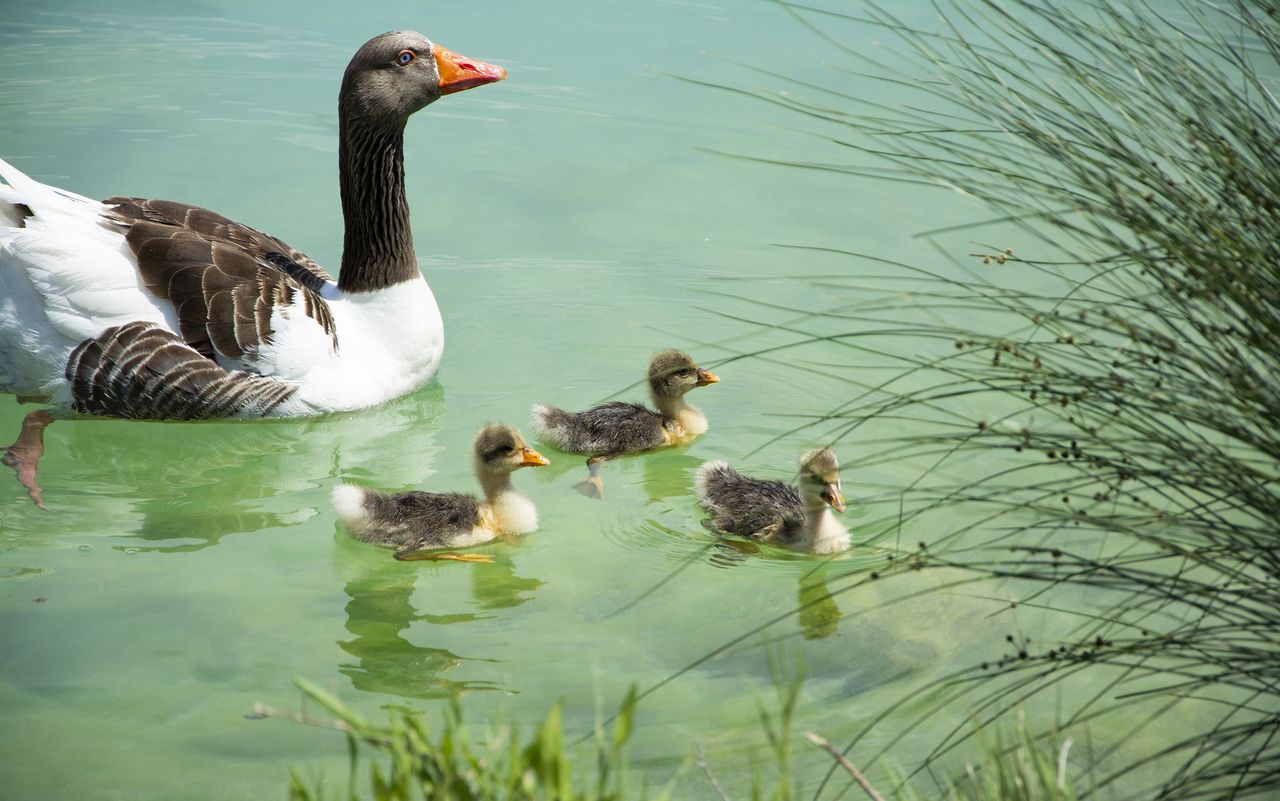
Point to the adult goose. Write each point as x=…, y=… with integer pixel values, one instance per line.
x=152, y=309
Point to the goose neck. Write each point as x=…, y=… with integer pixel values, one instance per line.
x=377, y=249
x=669, y=406
x=493, y=484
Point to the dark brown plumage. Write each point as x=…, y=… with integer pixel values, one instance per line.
x=223, y=289
x=140, y=371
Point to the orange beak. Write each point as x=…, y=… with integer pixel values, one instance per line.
x=459, y=72
x=705, y=378
x=531, y=458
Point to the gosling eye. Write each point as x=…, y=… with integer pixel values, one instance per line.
x=406, y=57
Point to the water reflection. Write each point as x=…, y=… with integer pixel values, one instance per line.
x=819, y=614
x=381, y=612
x=180, y=487
x=378, y=615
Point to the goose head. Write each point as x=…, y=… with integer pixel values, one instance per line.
x=500, y=450
x=820, y=478
x=397, y=73
x=672, y=373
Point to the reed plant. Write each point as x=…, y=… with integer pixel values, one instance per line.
x=405, y=759
x=1090, y=424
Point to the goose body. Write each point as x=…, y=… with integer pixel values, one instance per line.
x=422, y=521
x=774, y=512
x=154, y=309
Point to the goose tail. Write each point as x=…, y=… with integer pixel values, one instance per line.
x=713, y=477
x=22, y=196
x=554, y=425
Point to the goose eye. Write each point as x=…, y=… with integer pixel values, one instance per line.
x=406, y=57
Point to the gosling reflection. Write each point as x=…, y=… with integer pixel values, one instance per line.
x=380, y=613
x=819, y=614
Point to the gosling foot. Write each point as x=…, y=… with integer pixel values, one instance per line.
x=592, y=487
x=24, y=455
x=435, y=556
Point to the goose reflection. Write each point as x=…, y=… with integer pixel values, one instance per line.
x=180, y=487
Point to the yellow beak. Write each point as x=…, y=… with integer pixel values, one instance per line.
x=531, y=458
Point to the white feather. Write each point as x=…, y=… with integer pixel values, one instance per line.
x=514, y=513
x=829, y=535
x=348, y=502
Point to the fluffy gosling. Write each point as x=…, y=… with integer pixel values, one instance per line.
x=778, y=513
x=614, y=429
x=424, y=521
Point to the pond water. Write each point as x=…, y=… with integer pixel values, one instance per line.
x=570, y=220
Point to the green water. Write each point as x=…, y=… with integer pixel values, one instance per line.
x=571, y=220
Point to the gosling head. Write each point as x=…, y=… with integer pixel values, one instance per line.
x=672, y=373
x=500, y=450
x=820, y=476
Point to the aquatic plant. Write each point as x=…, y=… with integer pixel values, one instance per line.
x=405, y=759
x=1094, y=418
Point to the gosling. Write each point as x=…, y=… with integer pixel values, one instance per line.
x=426, y=521
x=774, y=512
x=614, y=429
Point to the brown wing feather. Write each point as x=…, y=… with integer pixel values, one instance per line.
x=214, y=227
x=220, y=276
x=142, y=371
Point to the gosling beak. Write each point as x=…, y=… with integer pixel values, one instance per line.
x=831, y=494
x=705, y=378
x=459, y=72
x=531, y=458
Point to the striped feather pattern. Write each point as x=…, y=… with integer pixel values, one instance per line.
x=224, y=279
x=216, y=228
x=142, y=371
